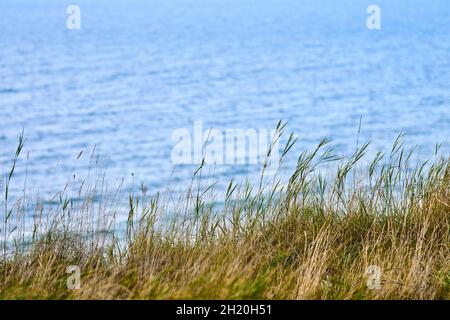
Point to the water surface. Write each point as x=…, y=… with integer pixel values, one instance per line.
x=138, y=70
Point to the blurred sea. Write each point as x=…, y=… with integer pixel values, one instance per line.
x=138, y=70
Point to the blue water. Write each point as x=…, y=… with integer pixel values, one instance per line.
x=138, y=70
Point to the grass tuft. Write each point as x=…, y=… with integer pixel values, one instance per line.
x=315, y=237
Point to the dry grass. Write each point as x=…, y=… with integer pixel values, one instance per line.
x=312, y=238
